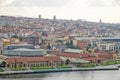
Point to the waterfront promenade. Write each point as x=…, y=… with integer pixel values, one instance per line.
x=99, y=68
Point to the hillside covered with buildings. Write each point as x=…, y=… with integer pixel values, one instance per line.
x=54, y=43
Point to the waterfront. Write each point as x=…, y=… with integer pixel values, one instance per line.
x=81, y=75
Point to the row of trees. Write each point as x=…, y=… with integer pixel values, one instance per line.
x=70, y=45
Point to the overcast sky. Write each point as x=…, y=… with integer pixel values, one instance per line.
x=92, y=10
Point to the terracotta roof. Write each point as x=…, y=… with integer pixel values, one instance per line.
x=73, y=55
x=82, y=44
x=93, y=58
x=33, y=59
x=52, y=58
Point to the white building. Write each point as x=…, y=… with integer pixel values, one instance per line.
x=106, y=46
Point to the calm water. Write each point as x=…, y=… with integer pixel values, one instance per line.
x=85, y=75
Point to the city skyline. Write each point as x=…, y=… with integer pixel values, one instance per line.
x=91, y=10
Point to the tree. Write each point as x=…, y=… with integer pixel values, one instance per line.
x=20, y=38
x=71, y=42
x=88, y=47
x=43, y=41
x=67, y=61
x=70, y=45
x=15, y=64
x=15, y=36
x=67, y=44
x=48, y=46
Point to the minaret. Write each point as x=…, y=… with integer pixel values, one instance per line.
x=39, y=16
x=100, y=22
x=54, y=17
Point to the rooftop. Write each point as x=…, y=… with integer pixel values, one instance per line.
x=73, y=55
x=25, y=52
x=33, y=59
x=74, y=50
x=25, y=49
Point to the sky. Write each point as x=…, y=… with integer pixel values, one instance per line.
x=91, y=10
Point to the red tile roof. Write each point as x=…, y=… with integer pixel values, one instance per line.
x=93, y=58
x=82, y=44
x=88, y=56
x=105, y=56
x=73, y=55
x=34, y=59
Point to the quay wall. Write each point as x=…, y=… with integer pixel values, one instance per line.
x=58, y=70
